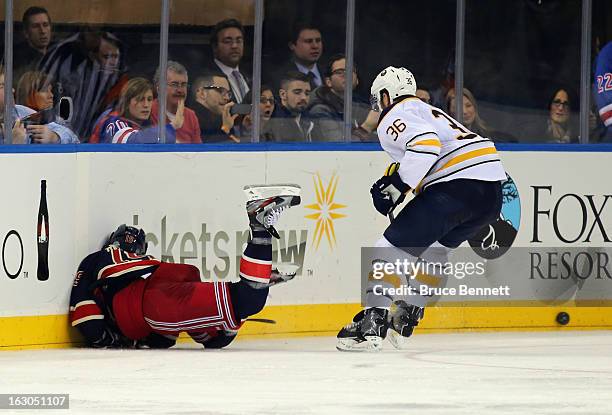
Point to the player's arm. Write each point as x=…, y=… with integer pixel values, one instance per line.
x=85, y=313
x=422, y=149
x=419, y=143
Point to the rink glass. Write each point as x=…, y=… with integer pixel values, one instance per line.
x=514, y=54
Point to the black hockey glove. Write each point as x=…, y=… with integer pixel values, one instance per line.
x=382, y=201
x=108, y=340
x=389, y=191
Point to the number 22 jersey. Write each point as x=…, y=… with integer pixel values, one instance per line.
x=432, y=147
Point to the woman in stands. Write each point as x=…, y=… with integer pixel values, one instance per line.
x=266, y=108
x=34, y=109
x=471, y=117
x=130, y=122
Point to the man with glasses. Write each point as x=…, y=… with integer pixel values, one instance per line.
x=327, y=105
x=176, y=91
x=212, y=97
x=227, y=42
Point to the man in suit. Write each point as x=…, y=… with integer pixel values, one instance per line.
x=306, y=47
x=227, y=42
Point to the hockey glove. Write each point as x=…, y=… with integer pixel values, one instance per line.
x=108, y=340
x=382, y=201
x=389, y=191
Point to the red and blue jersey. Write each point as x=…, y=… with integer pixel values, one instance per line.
x=603, y=84
x=120, y=130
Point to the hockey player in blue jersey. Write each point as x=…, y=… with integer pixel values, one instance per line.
x=456, y=176
x=603, y=89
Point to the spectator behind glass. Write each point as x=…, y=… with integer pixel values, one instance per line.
x=559, y=126
x=306, y=46
x=603, y=91
x=34, y=95
x=289, y=121
x=212, y=107
x=227, y=41
x=471, y=117
x=423, y=95
x=266, y=108
x=131, y=120
x=38, y=33
x=177, y=79
x=327, y=105
x=89, y=68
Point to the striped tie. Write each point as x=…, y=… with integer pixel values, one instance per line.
x=241, y=91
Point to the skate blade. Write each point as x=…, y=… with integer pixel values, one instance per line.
x=397, y=340
x=264, y=191
x=286, y=268
x=371, y=344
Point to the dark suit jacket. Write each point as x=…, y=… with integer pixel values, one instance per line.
x=213, y=69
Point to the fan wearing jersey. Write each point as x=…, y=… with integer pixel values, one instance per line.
x=122, y=297
x=130, y=122
x=603, y=89
x=456, y=176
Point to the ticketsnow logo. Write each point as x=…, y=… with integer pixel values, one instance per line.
x=325, y=210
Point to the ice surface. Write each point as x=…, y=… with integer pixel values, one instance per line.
x=475, y=373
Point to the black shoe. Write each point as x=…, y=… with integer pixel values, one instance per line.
x=365, y=333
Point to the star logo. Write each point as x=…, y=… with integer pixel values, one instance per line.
x=325, y=211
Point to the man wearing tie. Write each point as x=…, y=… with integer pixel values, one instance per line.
x=306, y=46
x=227, y=41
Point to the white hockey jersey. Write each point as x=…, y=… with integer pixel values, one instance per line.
x=432, y=147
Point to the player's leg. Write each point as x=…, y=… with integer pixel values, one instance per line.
x=423, y=221
x=487, y=208
x=265, y=204
x=484, y=201
x=418, y=225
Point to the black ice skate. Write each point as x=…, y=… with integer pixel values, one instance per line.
x=365, y=333
x=265, y=203
x=403, y=318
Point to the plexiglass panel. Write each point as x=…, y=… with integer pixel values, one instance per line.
x=72, y=60
x=299, y=40
x=522, y=70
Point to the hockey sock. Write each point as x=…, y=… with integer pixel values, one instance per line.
x=256, y=261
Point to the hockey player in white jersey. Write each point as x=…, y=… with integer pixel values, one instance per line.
x=456, y=176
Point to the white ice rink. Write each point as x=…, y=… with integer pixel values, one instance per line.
x=476, y=373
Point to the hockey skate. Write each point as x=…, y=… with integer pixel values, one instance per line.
x=403, y=318
x=265, y=203
x=366, y=333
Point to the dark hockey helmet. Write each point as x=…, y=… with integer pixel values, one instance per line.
x=129, y=239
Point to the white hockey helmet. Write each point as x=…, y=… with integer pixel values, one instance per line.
x=395, y=81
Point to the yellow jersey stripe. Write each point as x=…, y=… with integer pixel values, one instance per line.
x=435, y=143
x=467, y=156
